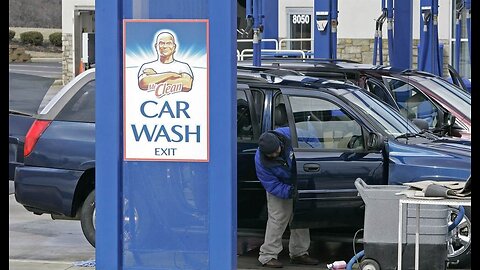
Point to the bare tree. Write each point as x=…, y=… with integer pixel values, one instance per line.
x=35, y=13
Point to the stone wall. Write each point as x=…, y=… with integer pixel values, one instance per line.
x=17, y=54
x=68, y=70
x=361, y=50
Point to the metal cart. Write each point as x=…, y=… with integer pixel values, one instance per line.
x=382, y=233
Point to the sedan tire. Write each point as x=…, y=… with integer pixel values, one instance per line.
x=87, y=218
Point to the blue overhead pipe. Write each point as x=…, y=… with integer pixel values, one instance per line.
x=260, y=13
x=424, y=38
x=334, y=23
x=380, y=34
x=375, y=44
x=436, y=43
x=257, y=39
x=248, y=9
x=458, y=35
x=468, y=6
x=248, y=16
x=390, y=31
x=380, y=46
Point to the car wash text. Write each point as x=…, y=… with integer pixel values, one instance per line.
x=162, y=133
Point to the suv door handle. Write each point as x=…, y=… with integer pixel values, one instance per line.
x=311, y=167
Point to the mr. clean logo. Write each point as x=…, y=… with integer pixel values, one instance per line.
x=165, y=75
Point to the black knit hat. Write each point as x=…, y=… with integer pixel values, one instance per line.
x=268, y=143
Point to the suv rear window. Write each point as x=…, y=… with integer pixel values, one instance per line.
x=26, y=92
x=81, y=108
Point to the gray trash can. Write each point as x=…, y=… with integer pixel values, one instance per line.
x=381, y=229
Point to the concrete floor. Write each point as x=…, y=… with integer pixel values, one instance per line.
x=37, y=242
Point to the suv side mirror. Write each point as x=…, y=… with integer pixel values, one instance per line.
x=447, y=127
x=375, y=141
x=450, y=120
x=450, y=124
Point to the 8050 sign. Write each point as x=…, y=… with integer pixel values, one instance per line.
x=301, y=19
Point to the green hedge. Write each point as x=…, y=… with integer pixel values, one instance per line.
x=31, y=37
x=11, y=34
x=56, y=39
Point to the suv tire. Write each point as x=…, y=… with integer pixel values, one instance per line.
x=459, y=241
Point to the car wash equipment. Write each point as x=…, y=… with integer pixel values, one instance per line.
x=390, y=31
x=458, y=32
x=468, y=4
x=355, y=259
x=381, y=230
x=377, y=40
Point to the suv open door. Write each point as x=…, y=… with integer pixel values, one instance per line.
x=328, y=138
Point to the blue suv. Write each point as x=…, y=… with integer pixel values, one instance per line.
x=356, y=135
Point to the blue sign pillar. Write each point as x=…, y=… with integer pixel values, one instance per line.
x=108, y=139
x=325, y=14
x=270, y=23
x=165, y=134
x=402, y=29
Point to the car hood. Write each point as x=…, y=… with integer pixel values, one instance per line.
x=447, y=147
x=440, y=161
x=438, y=148
x=454, y=140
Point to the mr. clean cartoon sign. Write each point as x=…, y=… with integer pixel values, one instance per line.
x=166, y=90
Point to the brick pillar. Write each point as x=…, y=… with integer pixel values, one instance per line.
x=67, y=58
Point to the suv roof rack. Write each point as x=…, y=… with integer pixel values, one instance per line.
x=270, y=69
x=415, y=71
x=271, y=74
x=325, y=60
x=258, y=75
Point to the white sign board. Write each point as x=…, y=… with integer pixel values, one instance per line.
x=166, y=90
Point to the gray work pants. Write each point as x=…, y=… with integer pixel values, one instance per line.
x=279, y=216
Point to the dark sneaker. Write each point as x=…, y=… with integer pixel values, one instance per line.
x=273, y=263
x=304, y=259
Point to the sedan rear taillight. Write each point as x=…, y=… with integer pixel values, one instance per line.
x=35, y=131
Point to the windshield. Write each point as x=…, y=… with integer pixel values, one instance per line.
x=392, y=122
x=449, y=94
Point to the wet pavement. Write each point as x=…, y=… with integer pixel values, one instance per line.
x=37, y=242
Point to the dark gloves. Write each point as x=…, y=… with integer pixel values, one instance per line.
x=293, y=193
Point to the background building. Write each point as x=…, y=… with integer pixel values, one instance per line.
x=355, y=30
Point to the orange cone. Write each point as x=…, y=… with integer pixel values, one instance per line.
x=81, y=68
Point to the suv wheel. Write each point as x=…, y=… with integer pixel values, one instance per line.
x=87, y=218
x=459, y=240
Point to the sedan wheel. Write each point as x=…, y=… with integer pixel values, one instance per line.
x=87, y=218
